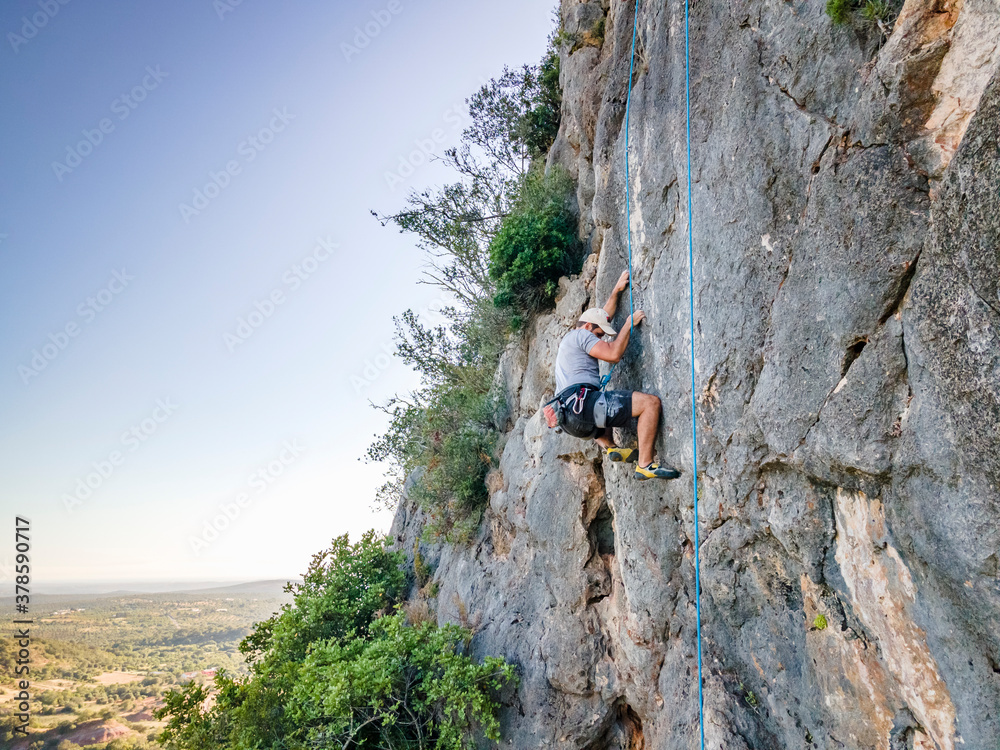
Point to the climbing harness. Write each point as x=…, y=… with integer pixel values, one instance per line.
x=569, y=399
x=571, y=402
x=578, y=401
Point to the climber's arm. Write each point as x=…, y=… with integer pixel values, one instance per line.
x=612, y=304
x=612, y=351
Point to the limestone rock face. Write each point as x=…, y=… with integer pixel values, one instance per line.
x=847, y=354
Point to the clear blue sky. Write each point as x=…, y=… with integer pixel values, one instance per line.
x=165, y=171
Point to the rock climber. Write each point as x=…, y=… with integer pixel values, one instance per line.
x=589, y=412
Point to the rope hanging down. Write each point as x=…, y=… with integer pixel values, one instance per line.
x=694, y=421
x=604, y=381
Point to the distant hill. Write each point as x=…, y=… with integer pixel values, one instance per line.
x=274, y=587
x=75, y=592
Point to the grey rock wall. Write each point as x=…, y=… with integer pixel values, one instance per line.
x=847, y=243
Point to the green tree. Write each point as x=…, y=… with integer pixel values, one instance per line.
x=329, y=657
x=515, y=118
x=407, y=687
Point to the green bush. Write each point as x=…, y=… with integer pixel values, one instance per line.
x=341, y=593
x=444, y=436
x=407, y=687
x=537, y=243
x=874, y=12
x=334, y=669
x=446, y=442
x=840, y=10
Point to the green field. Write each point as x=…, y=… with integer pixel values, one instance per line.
x=100, y=663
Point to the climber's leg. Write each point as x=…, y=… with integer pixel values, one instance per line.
x=646, y=407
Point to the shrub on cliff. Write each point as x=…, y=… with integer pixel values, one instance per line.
x=444, y=434
x=876, y=12
x=537, y=242
x=406, y=687
x=335, y=668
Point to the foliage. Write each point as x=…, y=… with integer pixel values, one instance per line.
x=515, y=118
x=408, y=687
x=874, y=12
x=537, y=242
x=538, y=126
x=335, y=669
x=444, y=436
x=592, y=37
x=340, y=594
x=840, y=10
x=188, y=725
x=421, y=569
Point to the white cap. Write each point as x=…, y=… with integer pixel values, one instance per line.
x=598, y=316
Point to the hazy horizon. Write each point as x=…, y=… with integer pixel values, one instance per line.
x=164, y=586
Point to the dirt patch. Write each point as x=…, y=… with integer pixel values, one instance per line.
x=95, y=732
x=89, y=733
x=118, y=678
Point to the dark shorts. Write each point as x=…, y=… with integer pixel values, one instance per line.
x=619, y=411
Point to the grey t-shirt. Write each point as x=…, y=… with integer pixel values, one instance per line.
x=573, y=361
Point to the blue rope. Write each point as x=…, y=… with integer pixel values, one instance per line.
x=628, y=202
x=606, y=378
x=694, y=421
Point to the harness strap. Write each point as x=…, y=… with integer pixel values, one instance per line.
x=577, y=399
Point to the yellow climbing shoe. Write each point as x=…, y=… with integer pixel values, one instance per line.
x=628, y=455
x=655, y=471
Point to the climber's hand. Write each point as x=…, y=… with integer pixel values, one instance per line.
x=637, y=317
x=622, y=284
